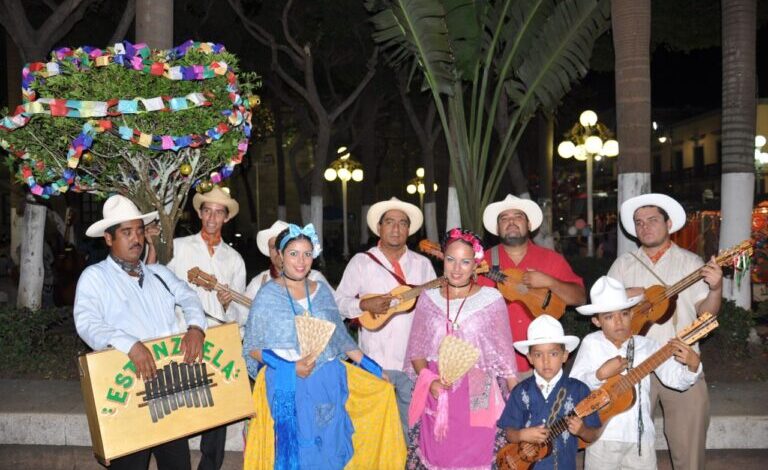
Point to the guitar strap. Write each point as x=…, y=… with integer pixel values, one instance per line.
x=162, y=281
x=376, y=260
x=630, y=366
x=556, y=406
x=495, y=257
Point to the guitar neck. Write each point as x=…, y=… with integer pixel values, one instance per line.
x=583, y=409
x=236, y=296
x=416, y=291
x=696, y=276
x=496, y=275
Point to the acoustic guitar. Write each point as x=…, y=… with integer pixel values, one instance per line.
x=510, y=283
x=209, y=282
x=658, y=304
x=405, y=296
x=615, y=396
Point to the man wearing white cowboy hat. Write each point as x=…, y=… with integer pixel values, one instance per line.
x=548, y=395
x=513, y=220
x=378, y=271
x=207, y=251
x=121, y=302
x=627, y=440
x=265, y=241
x=652, y=218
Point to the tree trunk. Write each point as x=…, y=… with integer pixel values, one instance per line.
x=320, y=159
x=31, y=269
x=279, y=129
x=631, y=20
x=154, y=23
x=738, y=133
x=13, y=74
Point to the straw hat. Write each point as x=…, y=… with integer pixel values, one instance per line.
x=455, y=357
x=546, y=330
x=263, y=236
x=671, y=207
x=492, y=211
x=118, y=209
x=608, y=295
x=217, y=195
x=313, y=335
x=380, y=208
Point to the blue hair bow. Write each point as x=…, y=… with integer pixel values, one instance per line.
x=295, y=231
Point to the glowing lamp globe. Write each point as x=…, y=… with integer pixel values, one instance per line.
x=330, y=174
x=566, y=149
x=610, y=148
x=411, y=189
x=581, y=153
x=593, y=144
x=588, y=118
x=357, y=175
x=344, y=174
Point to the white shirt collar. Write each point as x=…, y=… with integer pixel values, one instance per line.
x=547, y=387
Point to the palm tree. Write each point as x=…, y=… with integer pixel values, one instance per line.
x=631, y=21
x=738, y=132
x=470, y=54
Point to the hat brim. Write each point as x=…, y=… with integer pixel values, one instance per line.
x=380, y=208
x=233, y=207
x=97, y=228
x=570, y=342
x=530, y=208
x=591, y=309
x=673, y=208
x=263, y=236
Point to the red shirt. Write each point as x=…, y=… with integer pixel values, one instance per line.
x=536, y=258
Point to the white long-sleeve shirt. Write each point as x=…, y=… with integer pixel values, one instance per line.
x=364, y=276
x=228, y=267
x=264, y=277
x=111, y=309
x=595, y=349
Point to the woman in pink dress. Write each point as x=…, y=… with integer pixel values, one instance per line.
x=458, y=421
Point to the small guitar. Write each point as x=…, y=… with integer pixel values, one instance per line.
x=616, y=396
x=658, y=304
x=209, y=282
x=406, y=299
x=510, y=283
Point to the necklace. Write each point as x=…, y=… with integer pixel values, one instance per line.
x=308, y=311
x=455, y=323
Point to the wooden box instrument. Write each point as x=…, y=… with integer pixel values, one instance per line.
x=126, y=415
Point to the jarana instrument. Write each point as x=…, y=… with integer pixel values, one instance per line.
x=615, y=396
x=658, y=304
x=126, y=415
x=405, y=296
x=509, y=282
x=209, y=282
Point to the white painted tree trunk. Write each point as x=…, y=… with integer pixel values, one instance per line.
x=544, y=234
x=316, y=216
x=31, y=265
x=306, y=212
x=453, y=216
x=630, y=185
x=364, y=232
x=17, y=233
x=154, y=23
x=736, y=211
x=282, y=213
x=430, y=220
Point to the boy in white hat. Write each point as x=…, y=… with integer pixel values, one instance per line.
x=627, y=440
x=548, y=395
x=265, y=241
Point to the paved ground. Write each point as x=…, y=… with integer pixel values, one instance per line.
x=80, y=458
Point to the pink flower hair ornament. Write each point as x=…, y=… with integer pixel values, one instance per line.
x=468, y=237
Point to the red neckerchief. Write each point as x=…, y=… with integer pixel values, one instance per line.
x=655, y=258
x=211, y=241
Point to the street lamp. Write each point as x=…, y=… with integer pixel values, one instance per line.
x=416, y=185
x=345, y=169
x=589, y=139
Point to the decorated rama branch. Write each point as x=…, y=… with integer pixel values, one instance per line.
x=148, y=124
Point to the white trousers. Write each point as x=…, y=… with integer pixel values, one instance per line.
x=610, y=455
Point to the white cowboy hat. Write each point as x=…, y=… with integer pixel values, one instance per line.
x=380, y=208
x=546, y=330
x=492, y=211
x=118, y=209
x=263, y=236
x=608, y=295
x=217, y=195
x=673, y=209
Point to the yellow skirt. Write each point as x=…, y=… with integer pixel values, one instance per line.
x=378, y=438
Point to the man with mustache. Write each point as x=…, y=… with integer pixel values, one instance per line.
x=512, y=220
x=211, y=254
x=121, y=302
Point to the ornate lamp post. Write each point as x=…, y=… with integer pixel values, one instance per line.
x=589, y=140
x=345, y=169
x=416, y=185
